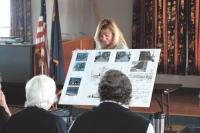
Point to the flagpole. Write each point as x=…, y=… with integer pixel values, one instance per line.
x=42, y=50
x=35, y=65
x=57, y=61
x=42, y=69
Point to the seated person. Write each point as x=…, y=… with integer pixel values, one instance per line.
x=35, y=118
x=4, y=110
x=113, y=114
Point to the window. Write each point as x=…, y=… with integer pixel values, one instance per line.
x=5, y=18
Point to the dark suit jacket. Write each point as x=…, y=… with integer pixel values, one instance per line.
x=109, y=118
x=35, y=120
x=3, y=117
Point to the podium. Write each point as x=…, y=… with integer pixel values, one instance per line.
x=69, y=46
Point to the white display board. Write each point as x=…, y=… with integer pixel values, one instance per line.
x=87, y=67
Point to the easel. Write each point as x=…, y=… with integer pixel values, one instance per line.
x=66, y=111
x=166, y=89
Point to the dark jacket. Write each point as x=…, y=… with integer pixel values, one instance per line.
x=35, y=120
x=110, y=118
x=3, y=117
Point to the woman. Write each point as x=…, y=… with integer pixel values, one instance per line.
x=109, y=36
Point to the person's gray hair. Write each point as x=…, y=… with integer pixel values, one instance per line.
x=115, y=86
x=40, y=92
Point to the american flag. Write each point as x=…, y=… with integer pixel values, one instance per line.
x=41, y=48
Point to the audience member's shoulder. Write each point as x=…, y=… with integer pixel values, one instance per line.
x=4, y=117
x=35, y=111
x=3, y=113
x=138, y=117
x=86, y=115
x=45, y=113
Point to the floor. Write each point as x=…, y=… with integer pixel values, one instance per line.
x=182, y=109
x=183, y=102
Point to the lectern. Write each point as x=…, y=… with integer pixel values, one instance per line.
x=69, y=46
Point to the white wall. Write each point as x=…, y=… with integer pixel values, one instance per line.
x=121, y=12
x=77, y=17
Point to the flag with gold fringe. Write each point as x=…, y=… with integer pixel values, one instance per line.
x=57, y=61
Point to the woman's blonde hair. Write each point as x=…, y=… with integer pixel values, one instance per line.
x=117, y=34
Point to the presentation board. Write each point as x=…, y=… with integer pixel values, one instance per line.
x=87, y=67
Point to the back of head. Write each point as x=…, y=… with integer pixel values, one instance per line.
x=115, y=86
x=40, y=92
